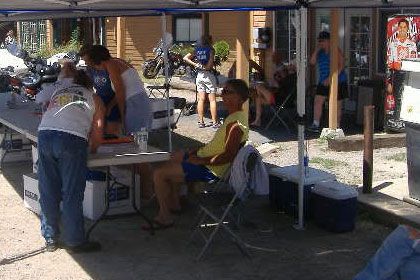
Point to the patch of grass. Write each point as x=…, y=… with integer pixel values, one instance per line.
x=279, y=146
x=321, y=142
x=326, y=163
x=158, y=81
x=398, y=157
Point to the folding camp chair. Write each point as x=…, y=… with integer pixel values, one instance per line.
x=280, y=111
x=158, y=91
x=220, y=207
x=179, y=104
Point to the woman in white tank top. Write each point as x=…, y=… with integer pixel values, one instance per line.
x=130, y=95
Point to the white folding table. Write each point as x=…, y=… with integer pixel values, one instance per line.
x=25, y=118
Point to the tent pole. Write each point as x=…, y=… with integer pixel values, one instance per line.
x=301, y=48
x=166, y=65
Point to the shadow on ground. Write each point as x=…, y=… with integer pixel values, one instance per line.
x=278, y=250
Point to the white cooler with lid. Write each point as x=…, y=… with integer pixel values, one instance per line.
x=334, y=206
x=160, y=113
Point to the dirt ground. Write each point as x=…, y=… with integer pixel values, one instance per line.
x=278, y=250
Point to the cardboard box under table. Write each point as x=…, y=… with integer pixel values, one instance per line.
x=284, y=187
x=334, y=206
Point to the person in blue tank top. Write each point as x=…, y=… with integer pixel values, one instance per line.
x=206, y=80
x=103, y=87
x=321, y=56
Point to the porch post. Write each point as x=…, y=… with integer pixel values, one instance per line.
x=120, y=37
x=242, y=51
x=333, y=70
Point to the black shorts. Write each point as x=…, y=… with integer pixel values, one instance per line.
x=325, y=90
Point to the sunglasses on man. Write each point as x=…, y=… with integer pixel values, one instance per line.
x=226, y=91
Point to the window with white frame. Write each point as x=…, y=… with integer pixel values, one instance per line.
x=359, y=46
x=187, y=28
x=33, y=35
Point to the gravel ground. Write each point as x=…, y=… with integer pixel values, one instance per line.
x=389, y=163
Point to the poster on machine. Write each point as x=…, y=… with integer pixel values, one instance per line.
x=403, y=42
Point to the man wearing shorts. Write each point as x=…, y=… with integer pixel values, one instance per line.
x=207, y=163
x=321, y=56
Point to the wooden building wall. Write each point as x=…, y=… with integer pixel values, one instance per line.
x=141, y=35
x=224, y=26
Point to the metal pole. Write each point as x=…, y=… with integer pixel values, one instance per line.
x=301, y=46
x=166, y=65
x=368, y=149
x=101, y=28
x=94, y=31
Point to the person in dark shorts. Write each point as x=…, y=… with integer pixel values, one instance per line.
x=321, y=57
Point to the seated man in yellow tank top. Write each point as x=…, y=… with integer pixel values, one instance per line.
x=208, y=163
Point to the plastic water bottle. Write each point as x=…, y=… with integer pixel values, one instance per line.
x=141, y=138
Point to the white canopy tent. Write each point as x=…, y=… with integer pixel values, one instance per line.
x=52, y=9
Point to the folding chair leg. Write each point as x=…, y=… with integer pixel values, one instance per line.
x=221, y=223
x=208, y=242
x=242, y=247
x=280, y=119
x=200, y=219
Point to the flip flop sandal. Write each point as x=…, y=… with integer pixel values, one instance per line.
x=157, y=226
x=201, y=125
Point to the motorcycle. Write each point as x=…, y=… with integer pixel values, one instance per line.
x=177, y=66
x=39, y=75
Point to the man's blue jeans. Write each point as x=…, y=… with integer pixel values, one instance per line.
x=397, y=258
x=62, y=178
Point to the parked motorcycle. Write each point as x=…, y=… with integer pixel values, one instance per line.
x=177, y=66
x=40, y=74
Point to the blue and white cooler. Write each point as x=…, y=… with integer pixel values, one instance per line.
x=284, y=188
x=334, y=206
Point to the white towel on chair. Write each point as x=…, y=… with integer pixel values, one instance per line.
x=258, y=182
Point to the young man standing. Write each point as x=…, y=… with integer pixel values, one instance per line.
x=321, y=56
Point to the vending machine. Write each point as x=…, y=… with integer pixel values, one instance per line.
x=403, y=38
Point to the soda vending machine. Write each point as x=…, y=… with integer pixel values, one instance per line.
x=403, y=36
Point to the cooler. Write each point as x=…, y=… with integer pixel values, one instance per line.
x=284, y=188
x=31, y=193
x=334, y=206
x=120, y=195
x=94, y=203
x=160, y=113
